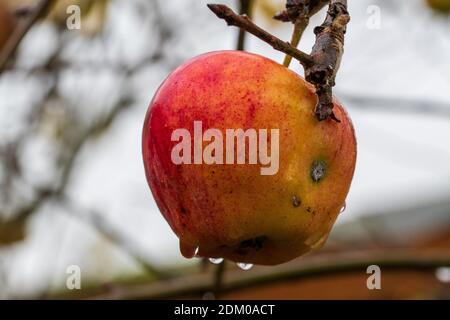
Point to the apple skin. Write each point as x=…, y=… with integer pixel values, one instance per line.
x=7, y=25
x=440, y=5
x=232, y=211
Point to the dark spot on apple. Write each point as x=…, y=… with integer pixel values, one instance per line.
x=256, y=244
x=296, y=202
x=183, y=210
x=318, y=170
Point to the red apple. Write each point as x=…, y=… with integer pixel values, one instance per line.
x=221, y=196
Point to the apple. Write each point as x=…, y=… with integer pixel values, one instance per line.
x=440, y=5
x=238, y=163
x=6, y=25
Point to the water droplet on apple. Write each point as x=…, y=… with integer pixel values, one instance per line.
x=244, y=266
x=216, y=260
x=188, y=251
x=296, y=201
x=343, y=207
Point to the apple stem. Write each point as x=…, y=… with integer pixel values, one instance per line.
x=322, y=64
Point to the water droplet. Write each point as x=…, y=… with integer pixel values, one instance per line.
x=296, y=201
x=216, y=260
x=188, y=251
x=244, y=266
x=343, y=207
x=443, y=274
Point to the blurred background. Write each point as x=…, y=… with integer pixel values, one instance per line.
x=73, y=189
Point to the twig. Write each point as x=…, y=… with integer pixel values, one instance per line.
x=21, y=30
x=327, y=54
x=299, y=27
x=326, y=264
x=299, y=12
x=322, y=65
x=245, y=23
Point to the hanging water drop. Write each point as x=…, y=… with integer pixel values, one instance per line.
x=196, y=251
x=216, y=260
x=188, y=251
x=343, y=207
x=244, y=266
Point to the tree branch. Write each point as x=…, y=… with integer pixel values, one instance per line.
x=308, y=267
x=299, y=12
x=327, y=54
x=322, y=64
x=98, y=221
x=232, y=19
x=77, y=137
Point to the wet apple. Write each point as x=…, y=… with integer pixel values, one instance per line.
x=238, y=163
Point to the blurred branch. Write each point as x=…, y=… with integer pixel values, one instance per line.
x=22, y=29
x=75, y=138
x=396, y=104
x=308, y=267
x=73, y=147
x=12, y=231
x=97, y=220
x=245, y=8
x=219, y=275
